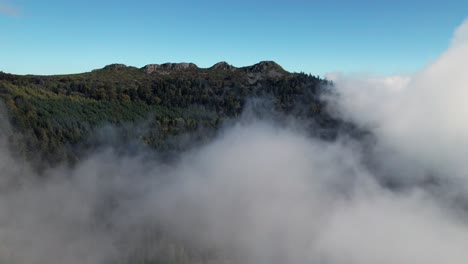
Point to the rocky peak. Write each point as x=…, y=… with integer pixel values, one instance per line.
x=169, y=67
x=265, y=66
x=222, y=66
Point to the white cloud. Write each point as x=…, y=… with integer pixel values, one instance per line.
x=423, y=118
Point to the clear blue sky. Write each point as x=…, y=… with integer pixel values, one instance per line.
x=314, y=36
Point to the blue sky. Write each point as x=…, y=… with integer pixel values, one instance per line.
x=314, y=36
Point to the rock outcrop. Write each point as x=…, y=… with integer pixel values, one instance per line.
x=150, y=68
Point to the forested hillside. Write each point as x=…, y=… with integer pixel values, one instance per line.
x=56, y=115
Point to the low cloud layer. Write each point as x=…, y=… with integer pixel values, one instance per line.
x=264, y=192
x=258, y=194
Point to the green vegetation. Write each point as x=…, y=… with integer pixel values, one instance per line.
x=55, y=115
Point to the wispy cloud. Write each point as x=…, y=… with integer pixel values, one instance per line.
x=10, y=10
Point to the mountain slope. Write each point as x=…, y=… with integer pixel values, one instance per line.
x=56, y=115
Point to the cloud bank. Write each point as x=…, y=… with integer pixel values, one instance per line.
x=258, y=194
x=265, y=192
x=423, y=117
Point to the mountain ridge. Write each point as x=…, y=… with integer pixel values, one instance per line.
x=259, y=67
x=262, y=67
x=58, y=114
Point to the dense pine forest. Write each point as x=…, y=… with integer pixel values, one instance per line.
x=58, y=116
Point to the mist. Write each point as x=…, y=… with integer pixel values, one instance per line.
x=265, y=191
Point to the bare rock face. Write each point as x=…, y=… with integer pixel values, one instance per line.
x=259, y=70
x=223, y=66
x=150, y=68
